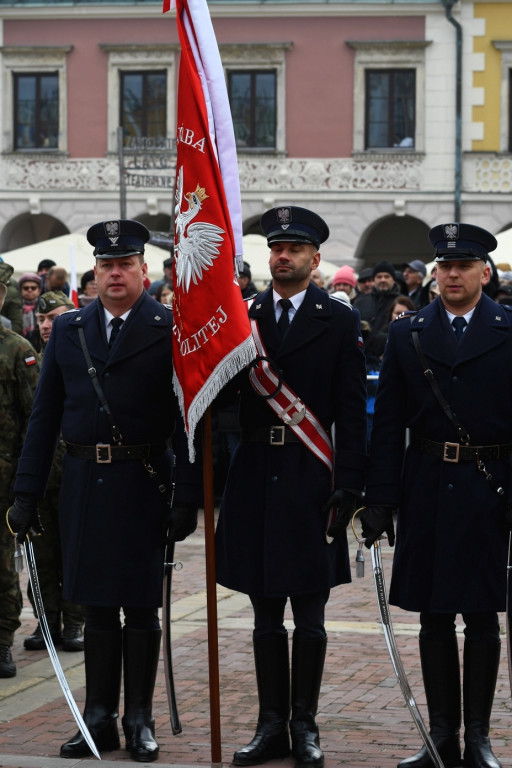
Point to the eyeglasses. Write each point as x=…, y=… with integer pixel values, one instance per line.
x=29, y=287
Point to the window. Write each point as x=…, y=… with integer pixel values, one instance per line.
x=143, y=104
x=36, y=111
x=141, y=91
x=389, y=85
x=252, y=96
x=390, y=108
x=256, y=83
x=33, y=105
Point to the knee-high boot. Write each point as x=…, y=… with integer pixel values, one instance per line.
x=308, y=657
x=141, y=649
x=271, y=741
x=481, y=662
x=441, y=678
x=102, y=656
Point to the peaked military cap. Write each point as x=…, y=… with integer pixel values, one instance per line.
x=52, y=299
x=114, y=239
x=289, y=223
x=461, y=241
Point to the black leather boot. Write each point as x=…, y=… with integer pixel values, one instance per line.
x=481, y=662
x=441, y=677
x=308, y=657
x=271, y=741
x=103, y=653
x=141, y=648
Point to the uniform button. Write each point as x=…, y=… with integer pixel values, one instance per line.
x=274, y=478
x=107, y=375
x=450, y=486
x=99, y=481
x=101, y=409
x=455, y=378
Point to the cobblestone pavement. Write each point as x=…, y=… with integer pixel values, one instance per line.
x=362, y=715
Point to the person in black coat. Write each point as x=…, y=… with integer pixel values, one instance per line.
x=271, y=542
x=113, y=519
x=452, y=488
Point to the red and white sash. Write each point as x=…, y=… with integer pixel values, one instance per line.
x=287, y=405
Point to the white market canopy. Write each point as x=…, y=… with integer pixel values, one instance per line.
x=61, y=249
x=503, y=253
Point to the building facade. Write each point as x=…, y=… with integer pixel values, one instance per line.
x=385, y=117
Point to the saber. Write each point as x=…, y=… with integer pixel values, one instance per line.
x=508, y=619
x=45, y=629
x=394, y=654
x=169, y=567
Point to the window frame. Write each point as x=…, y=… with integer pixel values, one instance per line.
x=505, y=49
x=390, y=122
x=143, y=73
x=253, y=73
x=394, y=55
x=137, y=58
x=261, y=57
x=28, y=60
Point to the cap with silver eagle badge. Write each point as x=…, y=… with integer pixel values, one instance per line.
x=115, y=239
x=290, y=223
x=462, y=242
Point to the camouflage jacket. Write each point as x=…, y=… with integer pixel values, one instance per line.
x=19, y=372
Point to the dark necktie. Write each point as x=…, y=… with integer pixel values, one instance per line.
x=284, y=320
x=459, y=323
x=116, y=324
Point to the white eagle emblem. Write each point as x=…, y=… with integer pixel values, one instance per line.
x=197, y=243
x=451, y=231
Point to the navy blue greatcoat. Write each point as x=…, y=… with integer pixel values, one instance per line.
x=110, y=514
x=450, y=553
x=271, y=533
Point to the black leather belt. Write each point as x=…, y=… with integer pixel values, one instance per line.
x=455, y=452
x=278, y=435
x=104, y=453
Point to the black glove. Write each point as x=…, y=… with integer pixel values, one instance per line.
x=23, y=516
x=376, y=521
x=346, y=503
x=181, y=522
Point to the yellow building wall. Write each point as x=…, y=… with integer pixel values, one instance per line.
x=498, y=26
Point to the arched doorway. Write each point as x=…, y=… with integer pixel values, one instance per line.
x=28, y=228
x=397, y=239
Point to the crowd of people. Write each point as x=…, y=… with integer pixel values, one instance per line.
x=432, y=466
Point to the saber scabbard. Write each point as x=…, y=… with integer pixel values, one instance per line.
x=169, y=567
x=394, y=654
x=509, y=617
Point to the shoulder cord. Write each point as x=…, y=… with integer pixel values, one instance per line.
x=461, y=431
x=429, y=375
x=116, y=432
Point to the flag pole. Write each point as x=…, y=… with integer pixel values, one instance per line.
x=211, y=592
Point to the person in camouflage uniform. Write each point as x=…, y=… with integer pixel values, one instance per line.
x=12, y=306
x=47, y=548
x=19, y=371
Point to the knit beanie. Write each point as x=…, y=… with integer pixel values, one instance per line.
x=384, y=266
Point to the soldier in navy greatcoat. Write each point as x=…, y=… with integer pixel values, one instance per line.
x=271, y=536
x=113, y=518
x=452, y=488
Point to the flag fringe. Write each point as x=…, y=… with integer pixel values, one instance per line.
x=235, y=361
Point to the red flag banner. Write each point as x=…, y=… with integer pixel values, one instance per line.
x=212, y=338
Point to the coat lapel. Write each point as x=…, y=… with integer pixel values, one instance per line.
x=311, y=319
x=489, y=327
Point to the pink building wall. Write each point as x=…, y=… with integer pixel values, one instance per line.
x=319, y=69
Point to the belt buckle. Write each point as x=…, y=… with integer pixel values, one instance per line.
x=103, y=453
x=277, y=439
x=453, y=459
